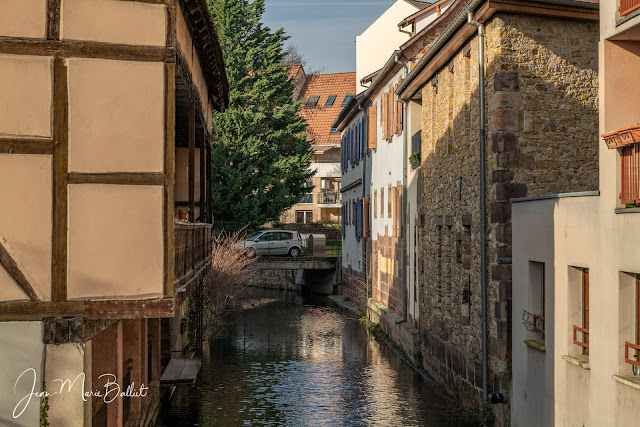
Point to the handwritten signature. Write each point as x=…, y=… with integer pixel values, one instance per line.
x=111, y=390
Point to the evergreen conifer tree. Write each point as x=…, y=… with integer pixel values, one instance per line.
x=260, y=153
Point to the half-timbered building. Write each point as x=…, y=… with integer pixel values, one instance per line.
x=105, y=112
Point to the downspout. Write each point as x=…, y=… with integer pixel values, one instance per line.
x=404, y=21
x=404, y=204
x=483, y=202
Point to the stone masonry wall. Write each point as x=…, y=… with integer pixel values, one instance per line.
x=385, y=265
x=542, y=138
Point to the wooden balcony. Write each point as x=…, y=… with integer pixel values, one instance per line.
x=192, y=251
x=628, y=6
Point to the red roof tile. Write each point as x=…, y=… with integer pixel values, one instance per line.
x=320, y=118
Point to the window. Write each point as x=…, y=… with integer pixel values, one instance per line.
x=534, y=317
x=304, y=217
x=630, y=166
x=628, y=6
x=334, y=131
x=307, y=198
x=312, y=102
x=629, y=321
x=330, y=100
x=283, y=235
x=579, y=309
x=347, y=99
x=390, y=203
x=375, y=204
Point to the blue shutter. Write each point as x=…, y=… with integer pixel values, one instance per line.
x=343, y=220
x=353, y=152
x=359, y=215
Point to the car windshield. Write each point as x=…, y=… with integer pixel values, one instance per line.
x=254, y=237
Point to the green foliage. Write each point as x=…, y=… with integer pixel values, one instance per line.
x=415, y=158
x=260, y=152
x=44, y=407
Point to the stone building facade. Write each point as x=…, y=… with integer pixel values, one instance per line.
x=542, y=137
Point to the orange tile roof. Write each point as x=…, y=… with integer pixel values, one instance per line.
x=293, y=71
x=320, y=118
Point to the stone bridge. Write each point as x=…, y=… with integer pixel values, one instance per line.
x=312, y=274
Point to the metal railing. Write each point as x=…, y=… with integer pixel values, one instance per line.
x=329, y=198
x=585, y=339
x=628, y=6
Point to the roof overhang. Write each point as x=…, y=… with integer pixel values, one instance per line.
x=205, y=40
x=458, y=32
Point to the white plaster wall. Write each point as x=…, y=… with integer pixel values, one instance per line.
x=114, y=21
x=413, y=125
x=580, y=232
x=26, y=88
x=21, y=348
x=426, y=19
x=66, y=362
x=26, y=221
x=376, y=44
x=23, y=18
x=116, y=246
x=116, y=116
x=352, y=249
x=326, y=170
x=386, y=168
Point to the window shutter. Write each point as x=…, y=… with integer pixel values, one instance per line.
x=375, y=204
x=389, y=202
x=363, y=136
x=390, y=116
x=399, y=212
x=365, y=219
x=343, y=221
x=373, y=131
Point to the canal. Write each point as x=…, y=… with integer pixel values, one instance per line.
x=293, y=360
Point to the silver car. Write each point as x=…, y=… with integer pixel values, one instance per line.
x=273, y=242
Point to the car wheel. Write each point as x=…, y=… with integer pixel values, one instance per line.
x=250, y=252
x=294, y=252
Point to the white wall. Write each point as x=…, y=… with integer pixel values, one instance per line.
x=352, y=248
x=21, y=348
x=326, y=170
x=422, y=21
x=376, y=44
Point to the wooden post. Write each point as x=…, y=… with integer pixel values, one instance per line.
x=192, y=161
x=208, y=186
x=203, y=179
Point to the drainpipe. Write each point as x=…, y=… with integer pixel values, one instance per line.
x=483, y=202
x=404, y=205
x=400, y=27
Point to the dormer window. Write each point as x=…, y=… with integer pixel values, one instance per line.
x=312, y=102
x=347, y=99
x=330, y=100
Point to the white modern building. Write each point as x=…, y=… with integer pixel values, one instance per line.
x=576, y=266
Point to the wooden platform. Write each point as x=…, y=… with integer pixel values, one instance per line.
x=180, y=371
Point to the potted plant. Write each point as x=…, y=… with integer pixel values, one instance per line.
x=415, y=159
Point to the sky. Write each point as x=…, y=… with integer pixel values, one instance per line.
x=324, y=31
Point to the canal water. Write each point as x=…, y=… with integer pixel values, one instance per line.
x=293, y=360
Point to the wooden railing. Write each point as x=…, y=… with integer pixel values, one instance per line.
x=628, y=6
x=585, y=340
x=192, y=249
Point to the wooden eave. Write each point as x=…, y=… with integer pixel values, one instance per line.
x=91, y=310
x=205, y=39
x=483, y=13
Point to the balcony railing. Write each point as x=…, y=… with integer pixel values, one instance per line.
x=628, y=6
x=585, y=339
x=329, y=198
x=192, y=249
x=627, y=346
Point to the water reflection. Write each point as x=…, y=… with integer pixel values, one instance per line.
x=289, y=360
